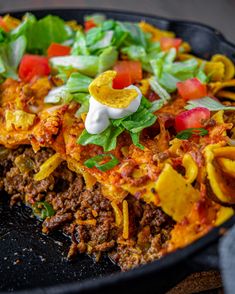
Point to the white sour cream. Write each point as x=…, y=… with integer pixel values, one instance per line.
x=99, y=115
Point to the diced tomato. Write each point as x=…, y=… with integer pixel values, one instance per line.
x=192, y=118
x=128, y=72
x=191, y=89
x=33, y=66
x=168, y=43
x=3, y=25
x=89, y=24
x=122, y=80
x=56, y=49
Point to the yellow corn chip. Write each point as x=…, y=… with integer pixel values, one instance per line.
x=228, y=64
x=101, y=89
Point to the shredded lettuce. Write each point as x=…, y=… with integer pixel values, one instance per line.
x=107, y=139
x=94, y=35
x=58, y=95
x=98, y=18
x=188, y=66
x=107, y=59
x=79, y=45
x=78, y=83
x=87, y=65
x=133, y=123
x=108, y=25
x=168, y=73
x=83, y=100
x=76, y=89
x=134, y=34
x=10, y=56
x=156, y=105
x=134, y=52
x=159, y=90
x=41, y=33
x=208, y=103
x=103, y=42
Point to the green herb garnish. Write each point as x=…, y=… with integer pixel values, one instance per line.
x=188, y=133
x=43, y=209
x=96, y=161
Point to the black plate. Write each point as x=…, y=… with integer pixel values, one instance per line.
x=33, y=261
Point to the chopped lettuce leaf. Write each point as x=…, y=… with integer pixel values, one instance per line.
x=76, y=89
x=79, y=45
x=168, y=82
x=188, y=66
x=41, y=33
x=203, y=78
x=107, y=59
x=98, y=18
x=134, y=33
x=3, y=35
x=78, y=83
x=49, y=29
x=10, y=56
x=58, y=95
x=136, y=140
x=107, y=139
x=119, y=37
x=104, y=42
x=208, y=103
x=94, y=35
x=83, y=99
x=133, y=123
x=139, y=120
x=156, y=105
x=108, y=25
x=16, y=50
x=134, y=52
x=25, y=28
x=87, y=65
x=159, y=90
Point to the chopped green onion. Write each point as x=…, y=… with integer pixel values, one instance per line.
x=188, y=133
x=96, y=161
x=208, y=103
x=43, y=209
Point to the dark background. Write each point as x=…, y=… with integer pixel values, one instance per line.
x=217, y=13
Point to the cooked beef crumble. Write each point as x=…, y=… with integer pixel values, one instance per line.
x=75, y=206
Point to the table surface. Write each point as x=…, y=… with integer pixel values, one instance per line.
x=219, y=14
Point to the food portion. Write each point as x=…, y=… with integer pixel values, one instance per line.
x=116, y=134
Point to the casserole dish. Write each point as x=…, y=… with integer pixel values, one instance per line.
x=34, y=273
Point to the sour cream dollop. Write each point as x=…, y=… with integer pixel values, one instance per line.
x=99, y=115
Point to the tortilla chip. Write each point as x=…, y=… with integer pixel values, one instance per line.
x=101, y=89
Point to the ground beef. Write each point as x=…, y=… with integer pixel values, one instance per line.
x=152, y=231
x=84, y=215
